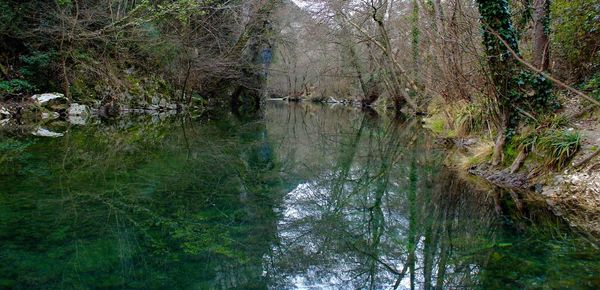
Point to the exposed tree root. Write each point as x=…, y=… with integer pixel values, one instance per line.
x=516, y=165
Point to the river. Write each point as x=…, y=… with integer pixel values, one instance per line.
x=299, y=196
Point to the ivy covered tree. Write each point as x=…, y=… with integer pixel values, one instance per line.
x=519, y=92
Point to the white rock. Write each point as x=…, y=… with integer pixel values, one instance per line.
x=332, y=100
x=4, y=112
x=4, y=122
x=78, y=110
x=77, y=120
x=44, y=98
x=43, y=132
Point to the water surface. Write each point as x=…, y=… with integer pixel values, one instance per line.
x=300, y=196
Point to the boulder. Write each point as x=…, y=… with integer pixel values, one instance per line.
x=52, y=101
x=77, y=120
x=78, y=110
x=42, y=99
x=155, y=100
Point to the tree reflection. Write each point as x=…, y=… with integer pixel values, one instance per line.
x=136, y=204
x=383, y=212
x=302, y=196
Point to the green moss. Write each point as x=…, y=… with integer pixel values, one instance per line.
x=510, y=152
x=438, y=125
x=82, y=91
x=134, y=86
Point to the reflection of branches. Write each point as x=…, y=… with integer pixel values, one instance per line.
x=378, y=260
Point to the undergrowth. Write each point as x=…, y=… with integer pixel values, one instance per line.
x=559, y=146
x=555, y=146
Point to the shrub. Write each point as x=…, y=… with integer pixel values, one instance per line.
x=576, y=25
x=469, y=119
x=474, y=117
x=559, y=146
x=593, y=86
x=15, y=86
x=35, y=68
x=553, y=121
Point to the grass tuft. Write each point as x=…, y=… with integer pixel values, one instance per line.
x=560, y=146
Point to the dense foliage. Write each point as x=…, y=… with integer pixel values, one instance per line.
x=576, y=31
x=129, y=51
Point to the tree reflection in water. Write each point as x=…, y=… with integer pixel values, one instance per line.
x=304, y=196
x=379, y=210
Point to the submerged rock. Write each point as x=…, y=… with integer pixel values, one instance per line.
x=43, y=132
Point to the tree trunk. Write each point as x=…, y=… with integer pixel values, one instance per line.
x=498, y=154
x=415, y=37
x=518, y=161
x=541, y=17
x=496, y=23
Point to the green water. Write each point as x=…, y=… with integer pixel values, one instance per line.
x=300, y=196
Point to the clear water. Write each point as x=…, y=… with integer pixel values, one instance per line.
x=302, y=196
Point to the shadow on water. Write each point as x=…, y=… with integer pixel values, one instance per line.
x=301, y=196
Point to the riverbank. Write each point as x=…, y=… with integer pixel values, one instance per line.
x=48, y=114
x=570, y=188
